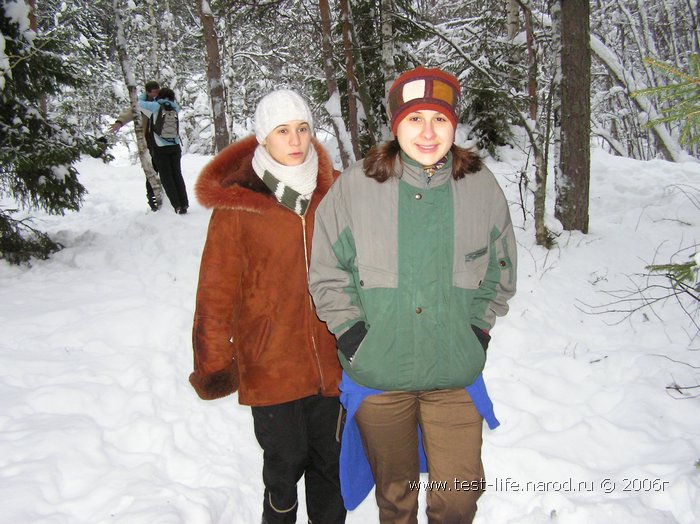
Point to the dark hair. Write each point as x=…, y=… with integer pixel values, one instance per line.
x=152, y=84
x=381, y=159
x=166, y=93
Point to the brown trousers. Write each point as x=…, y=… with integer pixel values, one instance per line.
x=451, y=432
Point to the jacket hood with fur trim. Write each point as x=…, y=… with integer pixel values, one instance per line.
x=229, y=182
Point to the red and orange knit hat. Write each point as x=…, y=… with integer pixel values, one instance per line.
x=422, y=88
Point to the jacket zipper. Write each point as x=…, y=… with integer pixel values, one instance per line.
x=311, y=304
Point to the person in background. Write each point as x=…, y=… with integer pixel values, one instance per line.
x=255, y=328
x=413, y=259
x=167, y=150
x=153, y=194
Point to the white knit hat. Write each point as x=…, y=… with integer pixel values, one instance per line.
x=277, y=108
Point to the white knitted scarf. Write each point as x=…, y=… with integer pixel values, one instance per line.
x=301, y=178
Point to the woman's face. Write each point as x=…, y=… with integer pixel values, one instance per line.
x=289, y=143
x=426, y=136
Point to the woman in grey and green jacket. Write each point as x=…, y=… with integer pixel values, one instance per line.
x=413, y=259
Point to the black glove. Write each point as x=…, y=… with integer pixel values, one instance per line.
x=349, y=341
x=483, y=337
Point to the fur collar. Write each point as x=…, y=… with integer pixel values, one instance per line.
x=229, y=182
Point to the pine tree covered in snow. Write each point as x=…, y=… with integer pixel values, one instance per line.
x=38, y=149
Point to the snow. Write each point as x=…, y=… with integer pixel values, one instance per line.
x=98, y=422
x=18, y=13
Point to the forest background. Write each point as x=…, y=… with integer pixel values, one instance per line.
x=67, y=68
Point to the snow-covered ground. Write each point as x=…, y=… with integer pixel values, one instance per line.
x=98, y=423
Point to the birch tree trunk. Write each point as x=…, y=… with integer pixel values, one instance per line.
x=557, y=52
x=512, y=18
x=216, y=86
x=333, y=103
x=130, y=80
x=167, y=40
x=154, y=45
x=572, y=178
x=538, y=138
x=388, y=64
x=531, y=64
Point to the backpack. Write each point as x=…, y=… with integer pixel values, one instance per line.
x=166, y=124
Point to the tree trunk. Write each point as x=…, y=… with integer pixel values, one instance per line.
x=333, y=104
x=512, y=18
x=388, y=64
x=573, y=174
x=130, y=80
x=363, y=91
x=350, y=77
x=537, y=140
x=153, y=31
x=542, y=235
x=557, y=52
x=531, y=65
x=167, y=43
x=216, y=86
x=34, y=26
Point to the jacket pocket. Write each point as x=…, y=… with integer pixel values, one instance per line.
x=350, y=341
x=482, y=336
x=378, y=359
x=472, y=269
x=372, y=278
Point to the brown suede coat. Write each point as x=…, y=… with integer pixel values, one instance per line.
x=255, y=326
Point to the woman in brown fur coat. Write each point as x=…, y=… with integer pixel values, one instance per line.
x=255, y=326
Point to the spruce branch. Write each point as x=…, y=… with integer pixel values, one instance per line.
x=682, y=97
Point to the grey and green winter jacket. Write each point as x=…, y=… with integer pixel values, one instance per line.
x=424, y=264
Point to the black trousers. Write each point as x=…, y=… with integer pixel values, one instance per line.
x=153, y=203
x=151, y=197
x=301, y=438
x=166, y=159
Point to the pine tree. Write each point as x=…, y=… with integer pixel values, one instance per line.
x=681, y=97
x=87, y=29
x=38, y=150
